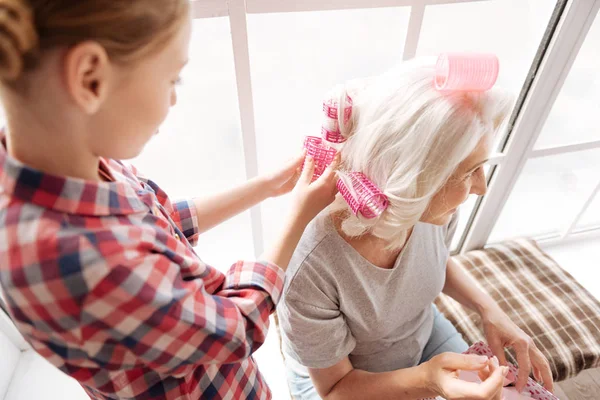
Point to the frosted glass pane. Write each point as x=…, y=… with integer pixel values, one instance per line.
x=511, y=29
x=295, y=59
x=548, y=195
x=574, y=117
x=591, y=217
x=199, y=148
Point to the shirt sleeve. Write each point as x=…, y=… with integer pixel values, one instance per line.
x=314, y=329
x=182, y=212
x=138, y=309
x=185, y=217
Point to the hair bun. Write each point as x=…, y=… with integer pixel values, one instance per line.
x=18, y=36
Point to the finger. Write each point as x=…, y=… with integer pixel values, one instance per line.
x=291, y=182
x=465, y=362
x=336, y=161
x=498, y=350
x=492, y=387
x=307, y=171
x=499, y=395
x=329, y=172
x=541, y=365
x=524, y=366
x=487, y=389
x=290, y=172
x=329, y=176
x=484, y=373
x=492, y=365
x=294, y=164
x=328, y=182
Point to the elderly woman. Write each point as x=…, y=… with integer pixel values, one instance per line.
x=357, y=315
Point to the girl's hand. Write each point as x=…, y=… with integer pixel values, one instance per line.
x=309, y=199
x=283, y=180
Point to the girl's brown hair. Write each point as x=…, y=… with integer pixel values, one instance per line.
x=127, y=29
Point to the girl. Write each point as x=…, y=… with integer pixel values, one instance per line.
x=96, y=262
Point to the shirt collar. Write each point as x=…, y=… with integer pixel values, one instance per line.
x=125, y=195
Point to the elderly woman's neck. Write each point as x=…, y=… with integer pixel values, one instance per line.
x=370, y=247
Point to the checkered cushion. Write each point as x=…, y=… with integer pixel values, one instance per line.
x=544, y=300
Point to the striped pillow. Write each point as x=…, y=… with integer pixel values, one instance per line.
x=544, y=300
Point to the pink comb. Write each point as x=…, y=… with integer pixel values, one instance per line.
x=466, y=72
x=322, y=154
x=331, y=129
x=364, y=197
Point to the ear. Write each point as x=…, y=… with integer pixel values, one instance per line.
x=87, y=70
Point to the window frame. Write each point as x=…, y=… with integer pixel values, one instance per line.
x=558, y=50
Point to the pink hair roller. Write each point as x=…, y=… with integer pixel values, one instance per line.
x=466, y=72
x=322, y=154
x=331, y=131
x=364, y=197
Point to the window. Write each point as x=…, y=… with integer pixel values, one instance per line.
x=295, y=59
x=313, y=51
x=297, y=51
x=575, y=117
x=482, y=27
x=548, y=195
x=591, y=218
x=199, y=147
x=556, y=192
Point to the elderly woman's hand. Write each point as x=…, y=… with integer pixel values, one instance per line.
x=442, y=377
x=501, y=332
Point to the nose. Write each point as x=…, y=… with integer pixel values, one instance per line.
x=479, y=186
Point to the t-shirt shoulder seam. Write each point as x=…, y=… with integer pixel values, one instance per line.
x=292, y=278
x=308, y=304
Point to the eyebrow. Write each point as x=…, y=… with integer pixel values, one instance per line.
x=477, y=166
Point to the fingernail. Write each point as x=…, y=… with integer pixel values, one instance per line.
x=309, y=158
x=504, y=371
x=495, y=361
x=482, y=359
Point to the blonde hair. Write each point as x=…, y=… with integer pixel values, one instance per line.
x=126, y=29
x=409, y=138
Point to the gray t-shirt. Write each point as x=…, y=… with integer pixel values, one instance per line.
x=337, y=304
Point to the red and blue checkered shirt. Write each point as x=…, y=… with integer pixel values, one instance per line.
x=102, y=280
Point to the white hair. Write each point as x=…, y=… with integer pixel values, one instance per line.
x=409, y=138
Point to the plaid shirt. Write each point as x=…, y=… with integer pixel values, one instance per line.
x=102, y=280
